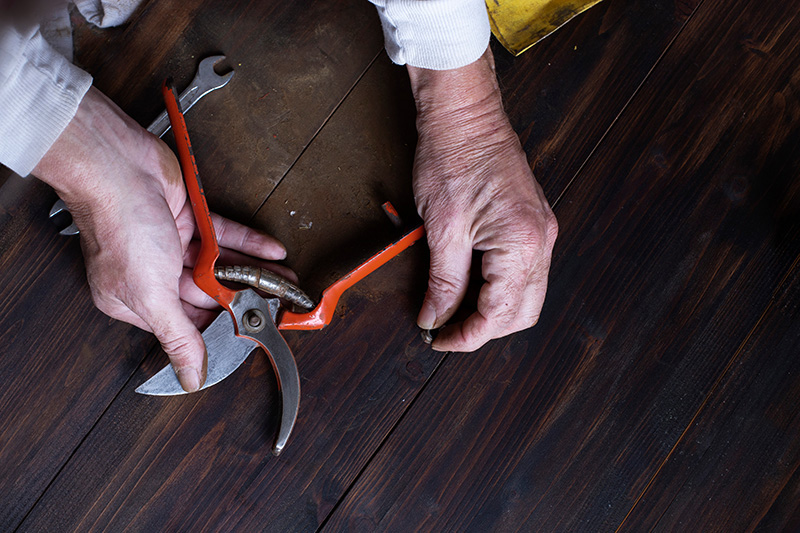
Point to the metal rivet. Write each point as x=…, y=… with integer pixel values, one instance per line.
x=254, y=321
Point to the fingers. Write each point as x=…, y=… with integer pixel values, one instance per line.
x=240, y=238
x=192, y=294
x=449, y=276
x=167, y=318
x=239, y=245
x=201, y=318
x=185, y=225
x=231, y=257
x=181, y=341
x=505, y=305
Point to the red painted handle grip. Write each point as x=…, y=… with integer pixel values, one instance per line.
x=203, y=273
x=321, y=316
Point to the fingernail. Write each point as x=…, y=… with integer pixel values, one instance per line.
x=437, y=348
x=427, y=316
x=189, y=379
x=204, y=370
x=283, y=253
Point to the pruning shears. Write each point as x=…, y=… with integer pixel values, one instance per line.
x=248, y=320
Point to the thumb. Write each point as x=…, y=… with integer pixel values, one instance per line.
x=449, y=276
x=182, y=342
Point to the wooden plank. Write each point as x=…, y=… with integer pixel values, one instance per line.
x=784, y=513
x=673, y=240
x=564, y=93
x=328, y=211
x=63, y=362
x=203, y=462
x=357, y=376
x=214, y=447
x=561, y=98
x=736, y=466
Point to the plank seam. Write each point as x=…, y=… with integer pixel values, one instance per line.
x=383, y=443
x=150, y=353
x=83, y=439
x=713, y=390
x=410, y=406
x=316, y=133
x=626, y=105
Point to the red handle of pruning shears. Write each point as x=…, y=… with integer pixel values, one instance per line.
x=203, y=273
x=322, y=314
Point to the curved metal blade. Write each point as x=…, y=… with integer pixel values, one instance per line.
x=226, y=352
x=267, y=335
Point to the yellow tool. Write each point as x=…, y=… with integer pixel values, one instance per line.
x=519, y=24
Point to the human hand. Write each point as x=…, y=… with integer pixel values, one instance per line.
x=475, y=191
x=124, y=189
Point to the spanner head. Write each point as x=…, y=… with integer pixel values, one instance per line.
x=207, y=79
x=61, y=207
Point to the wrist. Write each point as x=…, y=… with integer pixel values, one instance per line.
x=461, y=106
x=443, y=93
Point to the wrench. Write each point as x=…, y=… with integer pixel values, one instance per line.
x=205, y=81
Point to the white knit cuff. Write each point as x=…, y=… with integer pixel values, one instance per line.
x=434, y=34
x=39, y=95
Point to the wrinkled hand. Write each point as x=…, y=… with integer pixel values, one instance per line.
x=124, y=189
x=475, y=191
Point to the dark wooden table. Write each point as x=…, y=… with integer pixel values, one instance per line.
x=660, y=390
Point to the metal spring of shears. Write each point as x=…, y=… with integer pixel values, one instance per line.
x=267, y=281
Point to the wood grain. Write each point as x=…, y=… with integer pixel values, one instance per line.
x=357, y=376
x=741, y=452
x=564, y=94
x=328, y=210
x=203, y=462
x=675, y=236
x=62, y=362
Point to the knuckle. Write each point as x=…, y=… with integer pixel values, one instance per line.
x=108, y=306
x=529, y=253
x=220, y=224
x=105, y=298
x=552, y=229
x=502, y=314
x=442, y=282
x=537, y=239
x=179, y=348
x=149, y=300
x=250, y=240
x=444, y=225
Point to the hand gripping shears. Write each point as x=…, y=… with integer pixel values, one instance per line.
x=205, y=80
x=255, y=321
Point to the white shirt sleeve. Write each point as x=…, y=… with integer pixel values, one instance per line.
x=40, y=91
x=434, y=34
